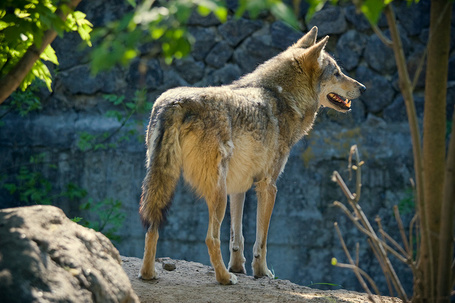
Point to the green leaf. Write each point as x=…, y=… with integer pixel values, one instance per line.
x=203, y=10
x=10, y=187
x=221, y=13
x=285, y=13
x=77, y=219
x=372, y=10
x=49, y=55
x=4, y=25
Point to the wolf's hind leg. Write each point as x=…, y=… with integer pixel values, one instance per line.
x=148, y=265
x=236, y=244
x=217, y=207
x=266, y=193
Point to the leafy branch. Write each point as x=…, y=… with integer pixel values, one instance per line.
x=26, y=35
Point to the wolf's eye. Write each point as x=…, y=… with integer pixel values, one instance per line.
x=337, y=74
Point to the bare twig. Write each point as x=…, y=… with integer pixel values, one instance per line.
x=355, y=269
x=411, y=232
x=358, y=217
x=383, y=266
x=381, y=36
x=387, y=237
x=374, y=237
x=337, y=178
x=402, y=232
x=364, y=274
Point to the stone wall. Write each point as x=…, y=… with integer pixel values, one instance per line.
x=302, y=240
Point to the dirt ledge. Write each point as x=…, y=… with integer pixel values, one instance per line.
x=195, y=282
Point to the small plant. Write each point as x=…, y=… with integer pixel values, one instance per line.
x=31, y=187
x=109, y=217
x=91, y=142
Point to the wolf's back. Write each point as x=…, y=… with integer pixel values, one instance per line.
x=163, y=164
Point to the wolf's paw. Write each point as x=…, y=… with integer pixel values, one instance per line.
x=233, y=279
x=264, y=273
x=144, y=275
x=229, y=279
x=240, y=269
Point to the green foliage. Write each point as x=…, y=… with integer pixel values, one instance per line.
x=32, y=187
x=372, y=9
x=407, y=204
x=26, y=101
x=126, y=109
x=278, y=9
x=163, y=25
x=23, y=24
x=109, y=217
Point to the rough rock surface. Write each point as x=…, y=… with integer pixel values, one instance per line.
x=194, y=282
x=45, y=257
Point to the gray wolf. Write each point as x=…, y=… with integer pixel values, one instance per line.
x=225, y=139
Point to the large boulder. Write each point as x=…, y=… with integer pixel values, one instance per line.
x=45, y=257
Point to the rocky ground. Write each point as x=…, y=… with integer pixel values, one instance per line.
x=183, y=281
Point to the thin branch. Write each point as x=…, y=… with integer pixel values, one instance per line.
x=364, y=274
x=396, y=211
x=337, y=178
x=419, y=69
x=386, y=236
x=381, y=36
x=383, y=266
x=355, y=268
x=368, y=233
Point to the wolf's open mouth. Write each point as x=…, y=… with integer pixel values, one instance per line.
x=339, y=101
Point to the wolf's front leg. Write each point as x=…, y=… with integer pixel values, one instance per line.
x=266, y=193
x=217, y=208
x=148, y=262
x=237, y=259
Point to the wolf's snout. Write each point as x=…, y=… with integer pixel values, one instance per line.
x=362, y=88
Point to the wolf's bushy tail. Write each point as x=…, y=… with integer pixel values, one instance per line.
x=163, y=170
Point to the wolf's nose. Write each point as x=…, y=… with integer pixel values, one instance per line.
x=362, y=88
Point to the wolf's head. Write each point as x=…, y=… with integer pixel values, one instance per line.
x=333, y=88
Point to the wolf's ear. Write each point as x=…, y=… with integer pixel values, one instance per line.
x=314, y=52
x=308, y=39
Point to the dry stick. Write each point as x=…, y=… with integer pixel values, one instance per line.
x=381, y=36
x=411, y=226
x=387, y=273
x=381, y=248
x=383, y=267
x=357, y=259
x=355, y=268
x=386, y=236
x=355, y=220
x=401, y=228
x=337, y=178
x=358, y=181
x=366, y=228
x=363, y=273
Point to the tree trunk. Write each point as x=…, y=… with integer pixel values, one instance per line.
x=10, y=82
x=434, y=145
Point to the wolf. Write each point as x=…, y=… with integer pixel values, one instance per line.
x=225, y=139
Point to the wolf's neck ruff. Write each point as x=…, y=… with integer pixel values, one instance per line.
x=225, y=139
